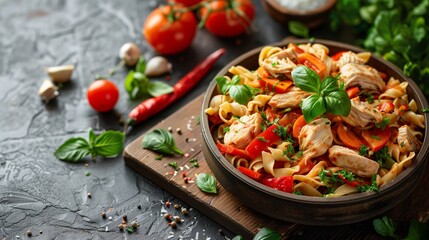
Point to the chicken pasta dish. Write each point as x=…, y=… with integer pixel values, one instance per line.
x=312, y=123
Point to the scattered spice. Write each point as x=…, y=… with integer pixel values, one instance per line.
x=130, y=229
x=173, y=165
x=177, y=219
x=103, y=214
x=173, y=224
x=179, y=131
x=86, y=165
x=221, y=232
x=167, y=203
x=186, y=180
x=41, y=232
x=124, y=218
x=186, y=155
x=121, y=227
x=170, y=129
x=176, y=206
x=167, y=216
x=194, y=163
x=87, y=174
x=110, y=218
x=187, y=140
x=29, y=233
x=89, y=195
x=135, y=224
x=185, y=211
x=139, y=207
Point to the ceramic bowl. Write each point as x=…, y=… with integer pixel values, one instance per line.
x=311, y=18
x=314, y=210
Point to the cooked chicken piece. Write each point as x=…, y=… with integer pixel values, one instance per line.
x=282, y=62
x=290, y=99
x=366, y=77
x=315, y=138
x=407, y=141
x=351, y=161
x=349, y=57
x=361, y=114
x=243, y=131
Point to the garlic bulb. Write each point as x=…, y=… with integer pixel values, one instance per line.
x=60, y=74
x=157, y=66
x=130, y=53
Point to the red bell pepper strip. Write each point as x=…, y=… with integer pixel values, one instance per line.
x=353, y=92
x=354, y=183
x=250, y=173
x=152, y=106
x=295, y=47
x=262, y=142
x=386, y=107
x=338, y=55
x=376, y=138
x=313, y=63
x=232, y=150
x=284, y=183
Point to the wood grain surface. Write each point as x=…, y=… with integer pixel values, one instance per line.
x=228, y=210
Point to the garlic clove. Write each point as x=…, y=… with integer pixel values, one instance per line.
x=157, y=66
x=60, y=74
x=48, y=91
x=130, y=53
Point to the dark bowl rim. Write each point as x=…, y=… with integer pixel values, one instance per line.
x=420, y=157
x=284, y=10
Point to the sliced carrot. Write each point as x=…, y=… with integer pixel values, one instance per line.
x=386, y=107
x=298, y=125
x=313, y=63
x=353, y=92
x=275, y=85
x=348, y=138
x=289, y=118
x=376, y=138
x=402, y=109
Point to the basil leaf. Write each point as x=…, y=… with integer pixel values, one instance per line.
x=238, y=237
x=141, y=65
x=338, y=103
x=157, y=88
x=109, y=144
x=329, y=84
x=241, y=93
x=91, y=137
x=417, y=230
x=306, y=79
x=223, y=84
x=160, y=140
x=73, y=150
x=267, y=234
x=136, y=84
x=206, y=182
x=298, y=29
x=312, y=107
x=384, y=226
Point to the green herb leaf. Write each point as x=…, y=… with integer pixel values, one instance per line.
x=338, y=103
x=384, y=226
x=141, y=65
x=136, y=84
x=222, y=84
x=130, y=229
x=91, y=137
x=109, y=143
x=329, y=84
x=160, y=140
x=267, y=234
x=157, y=88
x=298, y=29
x=238, y=237
x=73, y=150
x=383, y=124
x=363, y=150
x=241, y=93
x=417, y=230
x=206, y=182
x=312, y=107
x=306, y=79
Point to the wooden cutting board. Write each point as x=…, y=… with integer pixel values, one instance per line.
x=224, y=207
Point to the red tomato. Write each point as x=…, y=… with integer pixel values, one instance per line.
x=169, y=30
x=187, y=3
x=102, y=95
x=228, y=18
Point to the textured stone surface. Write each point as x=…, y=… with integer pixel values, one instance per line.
x=42, y=194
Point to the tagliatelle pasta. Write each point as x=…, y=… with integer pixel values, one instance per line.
x=261, y=117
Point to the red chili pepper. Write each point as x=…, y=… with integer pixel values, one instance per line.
x=152, y=106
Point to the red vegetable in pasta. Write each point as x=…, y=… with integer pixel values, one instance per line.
x=353, y=92
x=262, y=142
x=284, y=183
x=152, y=106
x=376, y=138
x=232, y=150
x=250, y=173
x=348, y=138
x=313, y=63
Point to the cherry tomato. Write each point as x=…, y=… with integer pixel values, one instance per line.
x=187, y=3
x=228, y=18
x=102, y=95
x=170, y=30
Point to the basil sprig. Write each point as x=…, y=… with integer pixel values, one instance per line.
x=160, y=140
x=108, y=144
x=263, y=234
x=137, y=84
x=327, y=95
x=241, y=93
x=206, y=182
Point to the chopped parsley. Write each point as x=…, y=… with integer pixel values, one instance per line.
x=383, y=158
x=290, y=150
x=375, y=137
x=173, y=165
x=369, y=187
x=383, y=124
x=262, y=139
x=226, y=129
x=274, y=64
x=363, y=150
x=425, y=110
